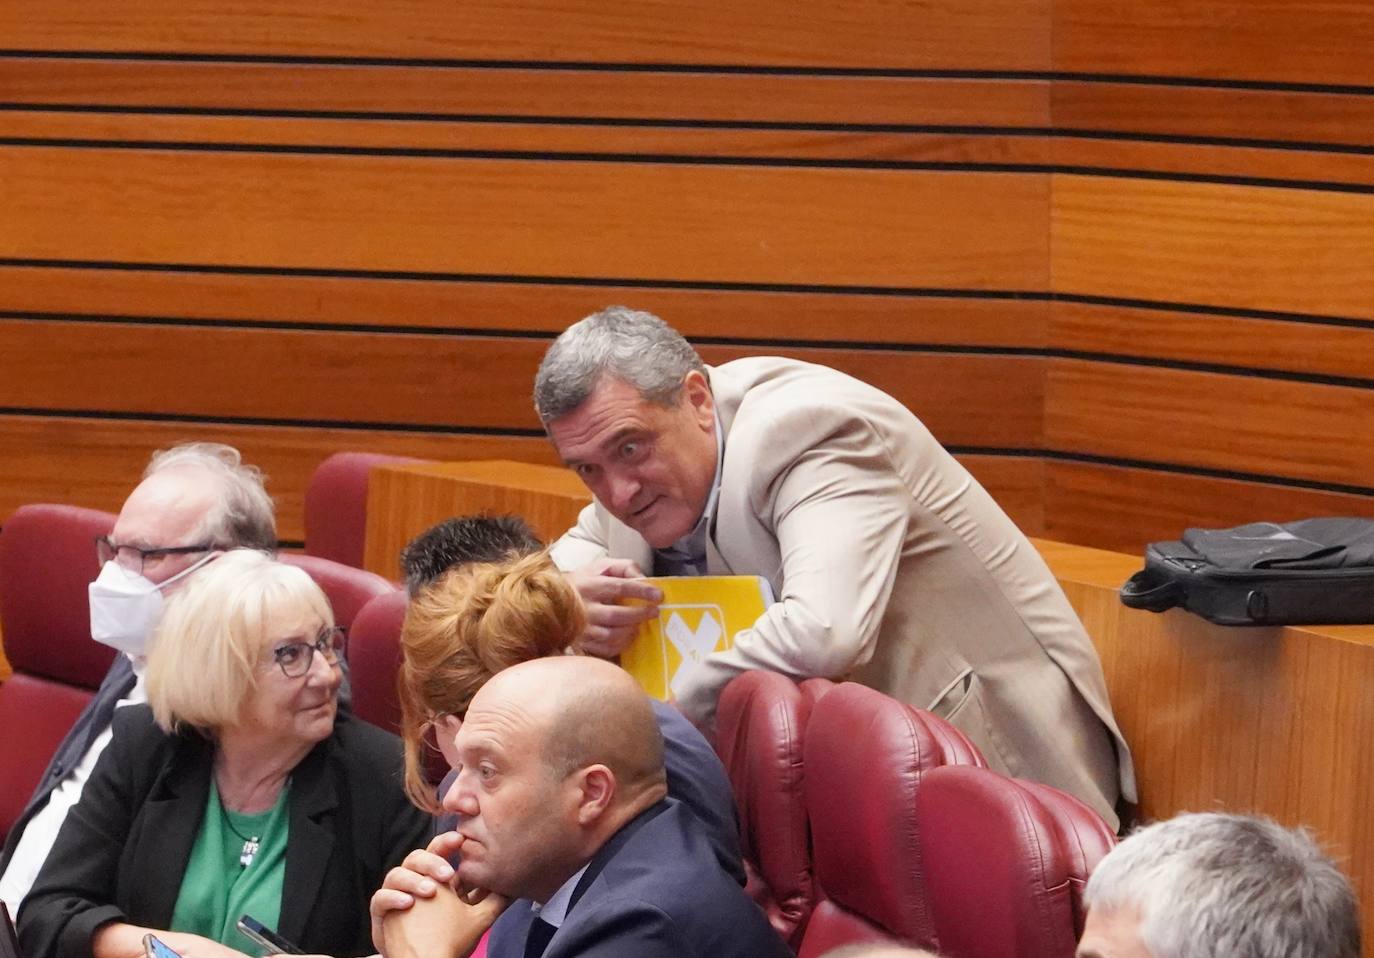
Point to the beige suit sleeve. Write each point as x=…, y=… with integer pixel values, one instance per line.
x=583, y=543
x=840, y=514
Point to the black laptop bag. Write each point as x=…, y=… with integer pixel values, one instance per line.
x=1311, y=571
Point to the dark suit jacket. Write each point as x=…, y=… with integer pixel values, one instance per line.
x=655, y=890
x=696, y=778
x=122, y=852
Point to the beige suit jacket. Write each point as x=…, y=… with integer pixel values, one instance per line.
x=893, y=567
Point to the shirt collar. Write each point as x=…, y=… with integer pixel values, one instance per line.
x=693, y=544
x=555, y=910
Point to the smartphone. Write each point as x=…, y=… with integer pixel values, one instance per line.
x=264, y=937
x=155, y=947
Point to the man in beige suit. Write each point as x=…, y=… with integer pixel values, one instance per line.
x=891, y=565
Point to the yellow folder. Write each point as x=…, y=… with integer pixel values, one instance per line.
x=699, y=615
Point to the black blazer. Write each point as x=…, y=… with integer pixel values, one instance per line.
x=122, y=852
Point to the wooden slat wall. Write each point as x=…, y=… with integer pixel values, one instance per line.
x=358, y=227
x=1116, y=256
x=1212, y=262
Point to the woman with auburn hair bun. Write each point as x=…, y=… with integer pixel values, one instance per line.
x=482, y=617
x=471, y=623
x=238, y=789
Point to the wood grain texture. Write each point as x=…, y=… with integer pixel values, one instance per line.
x=1273, y=721
x=530, y=307
x=994, y=34
x=527, y=92
x=1125, y=509
x=441, y=381
x=96, y=463
x=1285, y=167
x=740, y=224
x=1316, y=349
x=1304, y=251
x=542, y=140
x=404, y=501
x=1295, y=430
x=1318, y=41
x=1198, y=111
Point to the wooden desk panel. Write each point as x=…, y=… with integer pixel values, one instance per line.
x=405, y=500
x=1275, y=720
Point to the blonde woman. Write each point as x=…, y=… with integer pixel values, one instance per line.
x=238, y=789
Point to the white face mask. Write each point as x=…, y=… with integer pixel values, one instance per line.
x=125, y=606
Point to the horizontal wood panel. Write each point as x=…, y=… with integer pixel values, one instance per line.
x=1294, y=250
x=1290, y=167
x=544, y=139
x=476, y=91
x=1113, y=507
x=1299, y=347
x=683, y=222
x=1016, y=482
x=1317, y=41
x=1211, y=112
x=96, y=463
x=992, y=34
x=472, y=381
x=1294, y=430
x=531, y=307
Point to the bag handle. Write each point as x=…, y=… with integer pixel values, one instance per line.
x=1143, y=591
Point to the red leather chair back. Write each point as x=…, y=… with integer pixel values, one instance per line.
x=336, y=505
x=1005, y=861
x=760, y=722
x=47, y=558
x=374, y=656
x=866, y=756
x=348, y=588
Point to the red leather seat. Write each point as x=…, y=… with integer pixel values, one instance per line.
x=336, y=505
x=866, y=758
x=760, y=723
x=374, y=656
x=347, y=587
x=47, y=558
x=1005, y=862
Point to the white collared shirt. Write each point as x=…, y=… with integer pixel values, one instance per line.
x=687, y=556
x=555, y=910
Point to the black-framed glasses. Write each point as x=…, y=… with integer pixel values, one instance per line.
x=294, y=658
x=133, y=558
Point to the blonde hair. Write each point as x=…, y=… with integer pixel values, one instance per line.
x=207, y=647
x=470, y=624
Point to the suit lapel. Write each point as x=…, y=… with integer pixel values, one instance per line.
x=174, y=810
x=311, y=841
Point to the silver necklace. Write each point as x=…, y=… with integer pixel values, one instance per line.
x=251, y=843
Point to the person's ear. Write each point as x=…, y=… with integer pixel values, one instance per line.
x=696, y=393
x=596, y=793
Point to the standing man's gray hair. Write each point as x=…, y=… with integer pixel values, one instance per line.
x=623, y=343
x=245, y=516
x=1214, y=884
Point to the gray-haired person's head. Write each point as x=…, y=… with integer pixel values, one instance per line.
x=627, y=344
x=245, y=516
x=1212, y=884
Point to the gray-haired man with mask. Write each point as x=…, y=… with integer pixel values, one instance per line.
x=194, y=501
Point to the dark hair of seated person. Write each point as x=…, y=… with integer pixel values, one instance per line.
x=464, y=539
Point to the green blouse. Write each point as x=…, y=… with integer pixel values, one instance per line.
x=218, y=887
